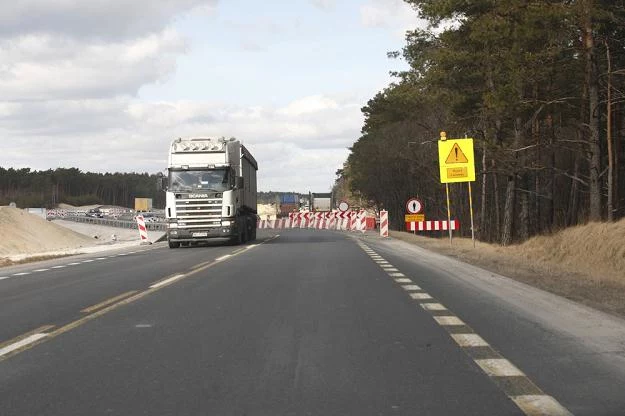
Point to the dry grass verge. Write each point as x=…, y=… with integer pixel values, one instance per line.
x=585, y=263
x=4, y=262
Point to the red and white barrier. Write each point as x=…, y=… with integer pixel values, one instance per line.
x=383, y=223
x=347, y=221
x=432, y=225
x=143, y=231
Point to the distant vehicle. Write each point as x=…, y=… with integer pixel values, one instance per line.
x=322, y=201
x=210, y=191
x=95, y=213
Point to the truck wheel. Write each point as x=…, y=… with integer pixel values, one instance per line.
x=173, y=244
x=246, y=235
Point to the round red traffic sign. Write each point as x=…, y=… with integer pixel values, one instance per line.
x=414, y=206
x=343, y=206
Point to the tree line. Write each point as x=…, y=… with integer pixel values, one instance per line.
x=539, y=85
x=28, y=188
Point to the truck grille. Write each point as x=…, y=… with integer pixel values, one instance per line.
x=199, y=213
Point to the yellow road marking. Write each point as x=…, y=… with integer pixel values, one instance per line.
x=100, y=312
x=108, y=302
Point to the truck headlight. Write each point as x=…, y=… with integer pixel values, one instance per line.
x=226, y=223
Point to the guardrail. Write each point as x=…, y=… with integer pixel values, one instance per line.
x=109, y=222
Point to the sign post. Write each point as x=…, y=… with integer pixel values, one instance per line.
x=456, y=161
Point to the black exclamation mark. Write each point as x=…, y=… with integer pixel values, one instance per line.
x=456, y=150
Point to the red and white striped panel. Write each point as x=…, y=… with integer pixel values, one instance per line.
x=383, y=223
x=432, y=225
x=143, y=231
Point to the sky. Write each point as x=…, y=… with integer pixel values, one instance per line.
x=105, y=85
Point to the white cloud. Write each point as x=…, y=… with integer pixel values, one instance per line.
x=44, y=67
x=102, y=19
x=69, y=75
x=324, y=4
x=296, y=150
x=390, y=13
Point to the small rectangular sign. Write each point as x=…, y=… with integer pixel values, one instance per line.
x=457, y=173
x=414, y=217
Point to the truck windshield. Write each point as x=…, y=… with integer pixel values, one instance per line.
x=217, y=180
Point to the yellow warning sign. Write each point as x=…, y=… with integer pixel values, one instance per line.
x=456, y=160
x=414, y=217
x=456, y=155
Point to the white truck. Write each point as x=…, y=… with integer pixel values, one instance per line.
x=210, y=191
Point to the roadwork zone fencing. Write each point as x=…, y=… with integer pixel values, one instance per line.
x=342, y=221
x=432, y=225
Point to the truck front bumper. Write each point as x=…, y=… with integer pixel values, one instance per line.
x=189, y=235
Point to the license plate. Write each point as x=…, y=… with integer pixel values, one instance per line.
x=200, y=234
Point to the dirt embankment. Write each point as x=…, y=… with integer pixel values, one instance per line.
x=585, y=263
x=24, y=233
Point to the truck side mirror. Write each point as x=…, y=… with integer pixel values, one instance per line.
x=161, y=182
x=240, y=182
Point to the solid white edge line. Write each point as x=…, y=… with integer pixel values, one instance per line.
x=164, y=282
x=223, y=257
x=19, y=344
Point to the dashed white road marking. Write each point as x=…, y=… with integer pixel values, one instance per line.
x=72, y=264
x=21, y=274
x=4, y=277
x=420, y=296
x=433, y=307
x=540, y=404
x=499, y=367
x=448, y=320
x=469, y=340
x=101, y=258
x=58, y=267
x=531, y=405
x=40, y=270
x=87, y=261
x=19, y=344
x=223, y=257
x=123, y=254
x=166, y=281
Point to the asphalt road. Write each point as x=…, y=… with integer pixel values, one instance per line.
x=305, y=323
